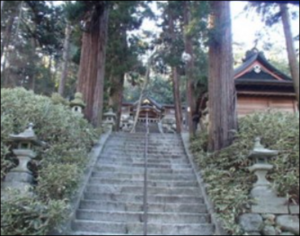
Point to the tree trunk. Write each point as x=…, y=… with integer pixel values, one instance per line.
x=190, y=68
x=7, y=34
x=222, y=93
x=294, y=66
x=177, y=100
x=2, y=4
x=116, y=97
x=7, y=41
x=175, y=79
x=66, y=53
x=92, y=69
x=101, y=59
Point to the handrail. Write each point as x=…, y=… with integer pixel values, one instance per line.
x=146, y=178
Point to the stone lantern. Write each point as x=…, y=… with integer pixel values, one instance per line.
x=20, y=178
x=78, y=104
x=266, y=200
x=127, y=124
x=261, y=156
x=110, y=119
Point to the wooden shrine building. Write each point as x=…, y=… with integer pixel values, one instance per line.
x=260, y=86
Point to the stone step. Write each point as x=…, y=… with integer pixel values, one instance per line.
x=187, y=208
x=152, y=141
x=101, y=167
x=142, y=158
x=151, y=163
x=139, y=154
x=138, y=166
x=151, y=136
x=92, y=233
x=137, y=228
x=113, y=189
x=138, y=217
x=140, y=183
x=140, y=161
x=140, y=176
x=138, y=198
x=166, y=149
x=141, y=146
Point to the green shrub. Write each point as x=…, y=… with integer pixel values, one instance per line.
x=57, y=167
x=225, y=172
x=58, y=99
x=30, y=216
x=58, y=181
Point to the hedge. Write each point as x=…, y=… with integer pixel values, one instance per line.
x=58, y=167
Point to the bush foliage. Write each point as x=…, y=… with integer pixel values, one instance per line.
x=57, y=168
x=226, y=172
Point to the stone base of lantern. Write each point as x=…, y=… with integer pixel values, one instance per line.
x=267, y=202
x=18, y=181
x=16, y=176
x=10, y=190
x=109, y=126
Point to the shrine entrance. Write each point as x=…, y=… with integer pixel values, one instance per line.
x=149, y=110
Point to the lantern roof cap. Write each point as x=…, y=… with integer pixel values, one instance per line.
x=260, y=151
x=78, y=101
x=27, y=135
x=110, y=113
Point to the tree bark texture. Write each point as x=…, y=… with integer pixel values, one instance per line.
x=92, y=69
x=222, y=92
x=2, y=4
x=66, y=53
x=116, y=97
x=294, y=66
x=175, y=79
x=190, y=68
x=8, y=33
x=9, y=40
x=177, y=100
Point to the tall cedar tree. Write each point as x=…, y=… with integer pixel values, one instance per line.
x=222, y=93
x=190, y=67
x=175, y=75
x=66, y=53
x=92, y=61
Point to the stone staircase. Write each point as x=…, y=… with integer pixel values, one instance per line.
x=113, y=200
x=141, y=128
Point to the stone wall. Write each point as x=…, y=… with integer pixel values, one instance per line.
x=270, y=224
